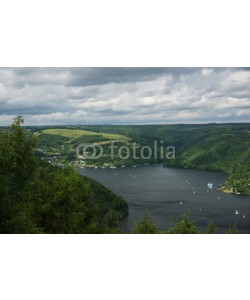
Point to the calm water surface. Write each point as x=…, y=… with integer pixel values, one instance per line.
x=168, y=193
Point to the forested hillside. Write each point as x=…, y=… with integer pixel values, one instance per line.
x=36, y=197
x=222, y=147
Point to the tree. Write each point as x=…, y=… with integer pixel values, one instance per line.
x=17, y=163
x=59, y=200
x=145, y=226
x=233, y=230
x=211, y=228
x=184, y=226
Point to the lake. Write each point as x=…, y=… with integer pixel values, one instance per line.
x=168, y=193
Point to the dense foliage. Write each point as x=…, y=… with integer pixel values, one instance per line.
x=145, y=226
x=181, y=226
x=36, y=197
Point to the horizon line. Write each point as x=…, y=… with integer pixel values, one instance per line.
x=143, y=124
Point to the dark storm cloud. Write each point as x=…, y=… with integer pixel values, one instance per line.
x=19, y=77
x=125, y=95
x=98, y=76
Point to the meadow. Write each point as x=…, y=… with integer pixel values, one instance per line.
x=76, y=133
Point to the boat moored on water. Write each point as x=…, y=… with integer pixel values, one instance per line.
x=210, y=185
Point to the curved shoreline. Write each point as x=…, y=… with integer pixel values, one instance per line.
x=221, y=189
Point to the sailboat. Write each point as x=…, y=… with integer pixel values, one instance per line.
x=210, y=185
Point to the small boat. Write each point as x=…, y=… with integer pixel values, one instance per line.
x=181, y=203
x=210, y=185
x=244, y=216
x=218, y=198
x=236, y=212
x=194, y=192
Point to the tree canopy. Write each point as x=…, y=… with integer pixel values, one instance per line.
x=36, y=197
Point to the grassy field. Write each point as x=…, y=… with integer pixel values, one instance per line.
x=76, y=133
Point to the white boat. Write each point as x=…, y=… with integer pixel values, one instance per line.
x=181, y=203
x=236, y=212
x=244, y=216
x=210, y=185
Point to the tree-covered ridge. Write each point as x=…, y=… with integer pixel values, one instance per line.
x=36, y=197
x=222, y=147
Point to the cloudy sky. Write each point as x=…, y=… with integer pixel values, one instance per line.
x=124, y=95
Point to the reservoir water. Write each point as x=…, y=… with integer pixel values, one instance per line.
x=169, y=193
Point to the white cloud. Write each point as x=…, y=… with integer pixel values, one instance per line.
x=226, y=115
x=243, y=112
x=206, y=72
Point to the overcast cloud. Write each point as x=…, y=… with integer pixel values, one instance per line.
x=124, y=95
